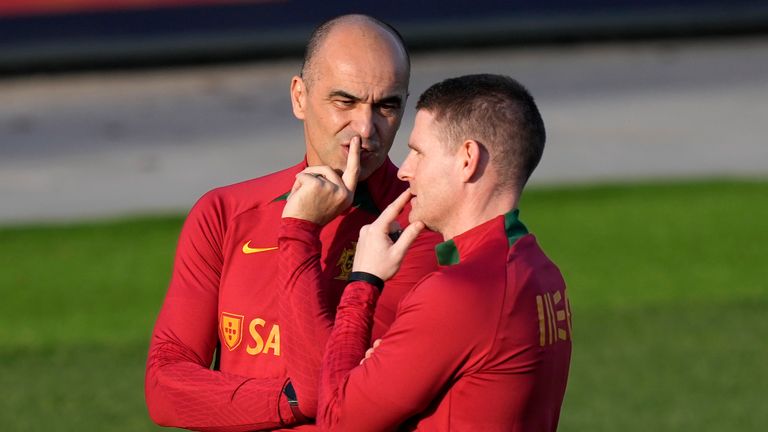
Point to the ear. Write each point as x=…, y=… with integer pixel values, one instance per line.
x=298, y=97
x=469, y=155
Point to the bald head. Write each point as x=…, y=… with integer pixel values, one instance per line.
x=353, y=32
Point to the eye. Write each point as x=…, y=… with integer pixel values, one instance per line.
x=388, y=108
x=343, y=103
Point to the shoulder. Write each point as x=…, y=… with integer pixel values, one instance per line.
x=447, y=289
x=212, y=214
x=527, y=254
x=529, y=266
x=443, y=301
x=255, y=191
x=226, y=202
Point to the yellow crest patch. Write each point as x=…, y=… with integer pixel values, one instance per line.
x=345, y=262
x=231, y=329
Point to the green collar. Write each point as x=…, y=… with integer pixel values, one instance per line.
x=362, y=199
x=283, y=197
x=448, y=254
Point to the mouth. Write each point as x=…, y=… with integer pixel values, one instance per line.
x=365, y=154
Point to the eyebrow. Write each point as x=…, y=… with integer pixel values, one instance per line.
x=394, y=99
x=387, y=100
x=342, y=93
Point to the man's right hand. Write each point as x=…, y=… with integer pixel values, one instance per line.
x=319, y=194
x=376, y=253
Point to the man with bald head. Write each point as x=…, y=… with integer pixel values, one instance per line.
x=256, y=279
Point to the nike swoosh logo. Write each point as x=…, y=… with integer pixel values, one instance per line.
x=247, y=249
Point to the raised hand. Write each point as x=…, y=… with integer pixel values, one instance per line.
x=376, y=252
x=319, y=194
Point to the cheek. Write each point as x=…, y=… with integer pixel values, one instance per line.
x=331, y=120
x=326, y=117
x=411, y=167
x=440, y=183
x=388, y=125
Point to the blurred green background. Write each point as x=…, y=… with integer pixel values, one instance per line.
x=667, y=283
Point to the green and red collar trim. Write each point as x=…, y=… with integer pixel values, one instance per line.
x=448, y=254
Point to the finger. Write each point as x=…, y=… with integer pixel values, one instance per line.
x=368, y=354
x=407, y=238
x=322, y=177
x=392, y=211
x=352, y=171
x=302, y=181
x=295, y=187
x=326, y=172
x=376, y=343
x=310, y=181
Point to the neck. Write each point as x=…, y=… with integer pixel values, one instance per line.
x=477, y=207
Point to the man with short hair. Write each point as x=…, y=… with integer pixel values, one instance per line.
x=484, y=343
x=238, y=291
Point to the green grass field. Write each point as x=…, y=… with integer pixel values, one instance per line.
x=668, y=285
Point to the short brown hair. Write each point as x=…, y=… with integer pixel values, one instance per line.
x=496, y=111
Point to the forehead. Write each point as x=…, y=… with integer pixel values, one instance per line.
x=363, y=61
x=426, y=131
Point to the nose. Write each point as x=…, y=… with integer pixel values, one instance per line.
x=362, y=123
x=405, y=173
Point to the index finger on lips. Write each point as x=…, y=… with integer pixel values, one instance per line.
x=352, y=171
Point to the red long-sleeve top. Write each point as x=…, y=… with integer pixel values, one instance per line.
x=234, y=292
x=483, y=344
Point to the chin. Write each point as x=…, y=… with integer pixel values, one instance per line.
x=365, y=172
x=414, y=216
x=367, y=168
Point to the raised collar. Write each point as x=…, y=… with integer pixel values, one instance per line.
x=373, y=194
x=450, y=251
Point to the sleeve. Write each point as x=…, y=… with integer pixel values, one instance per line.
x=307, y=314
x=418, y=262
x=415, y=361
x=180, y=388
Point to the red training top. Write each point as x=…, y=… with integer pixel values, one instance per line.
x=483, y=344
x=229, y=279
